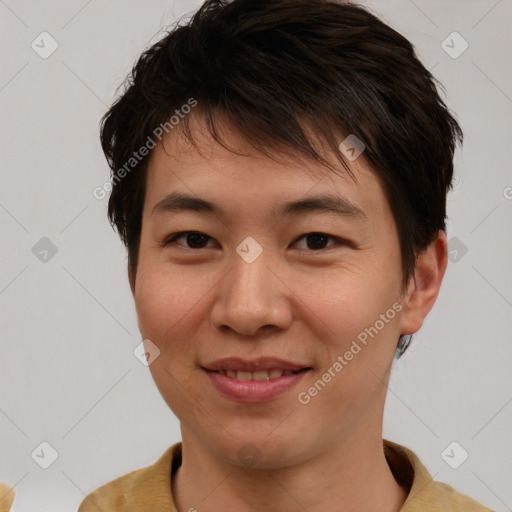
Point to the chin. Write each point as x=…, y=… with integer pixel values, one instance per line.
x=256, y=452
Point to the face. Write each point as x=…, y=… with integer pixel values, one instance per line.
x=310, y=289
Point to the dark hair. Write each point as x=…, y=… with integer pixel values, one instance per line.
x=273, y=67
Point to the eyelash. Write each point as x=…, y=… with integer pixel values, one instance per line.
x=168, y=241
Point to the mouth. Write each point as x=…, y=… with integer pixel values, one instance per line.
x=256, y=381
x=268, y=374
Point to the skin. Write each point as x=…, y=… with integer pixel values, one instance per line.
x=293, y=302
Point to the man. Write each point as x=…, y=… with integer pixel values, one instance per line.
x=279, y=172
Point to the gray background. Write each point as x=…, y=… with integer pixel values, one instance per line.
x=68, y=375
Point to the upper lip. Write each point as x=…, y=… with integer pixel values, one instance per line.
x=261, y=363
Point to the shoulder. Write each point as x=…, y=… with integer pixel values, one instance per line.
x=6, y=497
x=144, y=489
x=453, y=500
x=424, y=492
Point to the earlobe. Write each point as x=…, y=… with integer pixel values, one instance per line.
x=424, y=285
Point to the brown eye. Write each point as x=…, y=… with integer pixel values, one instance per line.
x=317, y=241
x=193, y=239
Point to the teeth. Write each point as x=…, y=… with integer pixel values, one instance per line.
x=261, y=375
x=274, y=373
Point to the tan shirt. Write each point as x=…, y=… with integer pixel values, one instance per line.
x=6, y=497
x=149, y=489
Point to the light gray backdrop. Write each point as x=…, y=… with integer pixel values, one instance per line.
x=68, y=375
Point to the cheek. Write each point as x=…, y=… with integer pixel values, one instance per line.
x=171, y=307
x=165, y=312
x=357, y=319
x=162, y=300
x=346, y=302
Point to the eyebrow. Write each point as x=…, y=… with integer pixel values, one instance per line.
x=177, y=202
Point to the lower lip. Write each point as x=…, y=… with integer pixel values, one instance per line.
x=254, y=391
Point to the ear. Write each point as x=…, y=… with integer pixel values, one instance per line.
x=424, y=286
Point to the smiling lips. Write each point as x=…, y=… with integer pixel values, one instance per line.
x=259, y=380
x=271, y=373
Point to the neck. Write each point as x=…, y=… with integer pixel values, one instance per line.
x=352, y=476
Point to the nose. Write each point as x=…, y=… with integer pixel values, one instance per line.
x=252, y=297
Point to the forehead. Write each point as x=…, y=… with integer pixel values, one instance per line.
x=242, y=176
